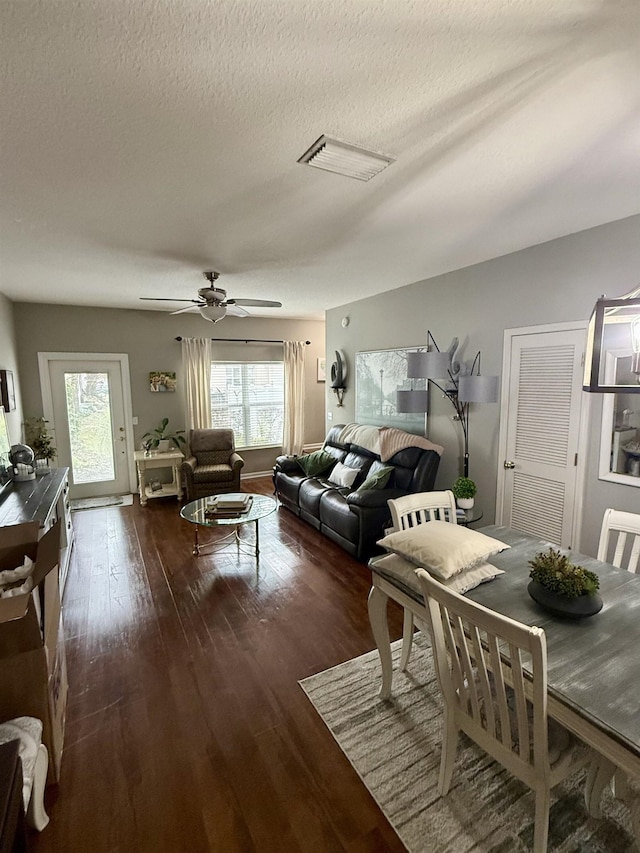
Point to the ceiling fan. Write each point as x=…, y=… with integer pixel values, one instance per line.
x=213, y=303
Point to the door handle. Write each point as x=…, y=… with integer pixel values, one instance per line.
x=509, y=464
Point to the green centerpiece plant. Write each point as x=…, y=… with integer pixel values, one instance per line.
x=464, y=491
x=561, y=586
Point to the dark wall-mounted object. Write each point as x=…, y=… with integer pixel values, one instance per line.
x=7, y=391
x=339, y=376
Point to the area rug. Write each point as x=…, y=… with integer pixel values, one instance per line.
x=395, y=749
x=96, y=503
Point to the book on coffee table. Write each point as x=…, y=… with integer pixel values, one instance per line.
x=220, y=506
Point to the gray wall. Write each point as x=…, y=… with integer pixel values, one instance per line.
x=148, y=337
x=550, y=283
x=9, y=361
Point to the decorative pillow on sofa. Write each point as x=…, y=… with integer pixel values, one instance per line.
x=342, y=475
x=378, y=477
x=316, y=462
x=444, y=549
x=403, y=572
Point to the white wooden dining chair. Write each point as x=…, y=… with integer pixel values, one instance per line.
x=480, y=658
x=620, y=539
x=619, y=545
x=410, y=511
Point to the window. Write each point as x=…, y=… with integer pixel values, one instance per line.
x=249, y=398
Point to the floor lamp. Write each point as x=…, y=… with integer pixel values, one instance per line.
x=447, y=375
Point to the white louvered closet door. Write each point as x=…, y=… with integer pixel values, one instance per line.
x=543, y=422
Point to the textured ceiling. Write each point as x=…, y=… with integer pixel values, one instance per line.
x=143, y=141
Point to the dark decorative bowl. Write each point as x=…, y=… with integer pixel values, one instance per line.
x=560, y=605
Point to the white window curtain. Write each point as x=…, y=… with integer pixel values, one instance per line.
x=293, y=440
x=196, y=360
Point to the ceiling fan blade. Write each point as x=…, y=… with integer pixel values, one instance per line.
x=236, y=311
x=256, y=303
x=189, y=308
x=162, y=299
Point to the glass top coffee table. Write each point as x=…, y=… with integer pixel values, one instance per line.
x=196, y=513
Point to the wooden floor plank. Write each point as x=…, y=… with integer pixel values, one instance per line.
x=186, y=726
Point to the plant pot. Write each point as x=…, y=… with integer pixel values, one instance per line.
x=465, y=503
x=560, y=605
x=164, y=445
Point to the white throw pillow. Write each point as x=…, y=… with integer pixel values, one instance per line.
x=396, y=568
x=444, y=549
x=342, y=475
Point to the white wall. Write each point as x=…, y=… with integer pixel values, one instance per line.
x=553, y=282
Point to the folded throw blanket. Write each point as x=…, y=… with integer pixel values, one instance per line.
x=362, y=435
x=385, y=441
x=393, y=440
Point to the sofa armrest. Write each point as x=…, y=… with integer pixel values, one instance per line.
x=288, y=465
x=372, y=498
x=188, y=466
x=236, y=461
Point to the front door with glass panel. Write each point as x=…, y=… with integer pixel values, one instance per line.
x=89, y=426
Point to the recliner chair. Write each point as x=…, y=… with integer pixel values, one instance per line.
x=214, y=466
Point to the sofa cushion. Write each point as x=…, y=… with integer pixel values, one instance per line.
x=378, y=477
x=343, y=475
x=336, y=515
x=213, y=473
x=311, y=490
x=316, y=462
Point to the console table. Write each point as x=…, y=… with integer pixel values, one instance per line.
x=171, y=459
x=45, y=500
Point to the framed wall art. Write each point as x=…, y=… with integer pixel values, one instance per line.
x=379, y=374
x=162, y=380
x=322, y=370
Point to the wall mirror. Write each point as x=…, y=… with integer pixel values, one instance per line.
x=620, y=435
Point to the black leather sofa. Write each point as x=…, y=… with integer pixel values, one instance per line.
x=352, y=518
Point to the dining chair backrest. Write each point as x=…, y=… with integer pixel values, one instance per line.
x=620, y=539
x=411, y=510
x=480, y=656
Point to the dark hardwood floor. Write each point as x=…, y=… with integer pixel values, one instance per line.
x=186, y=727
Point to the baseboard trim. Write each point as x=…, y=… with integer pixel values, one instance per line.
x=255, y=474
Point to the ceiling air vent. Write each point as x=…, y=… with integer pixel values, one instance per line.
x=345, y=159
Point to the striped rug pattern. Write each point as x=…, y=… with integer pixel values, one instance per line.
x=395, y=749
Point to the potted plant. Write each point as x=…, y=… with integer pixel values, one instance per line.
x=464, y=490
x=40, y=441
x=562, y=587
x=161, y=440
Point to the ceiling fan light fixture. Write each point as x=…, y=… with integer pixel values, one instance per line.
x=214, y=313
x=343, y=158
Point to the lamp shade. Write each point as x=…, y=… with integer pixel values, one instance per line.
x=412, y=402
x=478, y=389
x=427, y=365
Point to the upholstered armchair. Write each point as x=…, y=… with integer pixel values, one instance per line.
x=214, y=466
